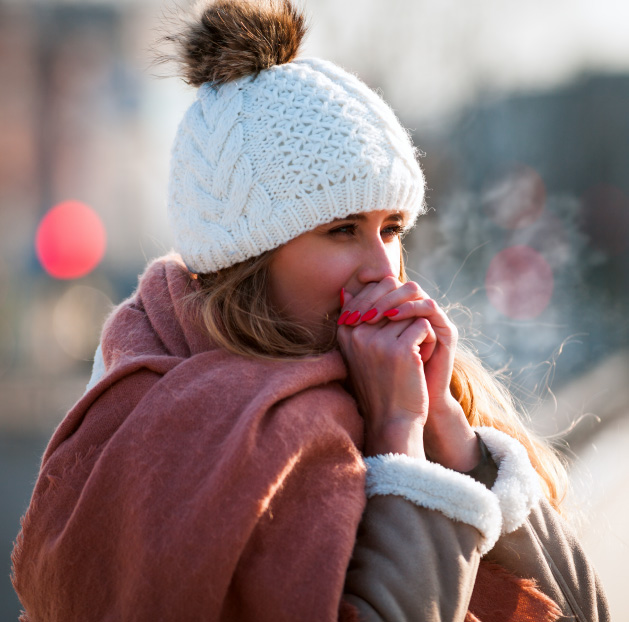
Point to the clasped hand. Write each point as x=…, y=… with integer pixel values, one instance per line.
x=399, y=346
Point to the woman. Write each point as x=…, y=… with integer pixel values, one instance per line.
x=283, y=427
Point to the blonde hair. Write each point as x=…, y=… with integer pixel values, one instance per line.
x=487, y=401
x=234, y=306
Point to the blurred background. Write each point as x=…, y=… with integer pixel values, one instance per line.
x=522, y=113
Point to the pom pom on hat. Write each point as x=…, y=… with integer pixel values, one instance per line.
x=275, y=145
x=230, y=39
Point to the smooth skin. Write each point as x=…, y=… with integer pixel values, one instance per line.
x=400, y=364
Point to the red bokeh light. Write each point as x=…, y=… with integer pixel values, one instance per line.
x=519, y=282
x=70, y=240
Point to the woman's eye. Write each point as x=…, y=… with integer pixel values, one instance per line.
x=343, y=230
x=392, y=231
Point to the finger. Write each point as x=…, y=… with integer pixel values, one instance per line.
x=445, y=331
x=389, y=303
x=345, y=300
x=384, y=332
x=427, y=346
x=363, y=301
x=424, y=308
x=365, y=336
x=415, y=334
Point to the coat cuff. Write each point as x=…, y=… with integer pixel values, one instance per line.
x=435, y=487
x=517, y=486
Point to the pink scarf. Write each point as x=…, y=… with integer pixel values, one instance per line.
x=194, y=484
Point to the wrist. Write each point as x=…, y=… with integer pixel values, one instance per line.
x=449, y=438
x=397, y=436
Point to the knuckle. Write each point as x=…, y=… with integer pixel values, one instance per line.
x=412, y=288
x=424, y=323
x=356, y=338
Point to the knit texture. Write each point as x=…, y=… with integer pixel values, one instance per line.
x=260, y=160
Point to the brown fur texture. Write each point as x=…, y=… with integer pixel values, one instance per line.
x=230, y=39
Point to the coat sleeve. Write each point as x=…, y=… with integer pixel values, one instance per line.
x=545, y=548
x=419, y=542
x=536, y=543
x=385, y=581
x=425, y=529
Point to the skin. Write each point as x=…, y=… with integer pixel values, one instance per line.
x=399, y=366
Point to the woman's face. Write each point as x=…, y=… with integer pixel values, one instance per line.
x=307, y=273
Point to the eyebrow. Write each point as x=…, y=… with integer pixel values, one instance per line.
x=397, y=217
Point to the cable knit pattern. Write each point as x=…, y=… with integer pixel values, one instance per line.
x=517, y=486
x=435, y=487
x=260, y=160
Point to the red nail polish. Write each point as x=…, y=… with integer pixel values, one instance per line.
x=391, y=312
x=352, y=318
x=344, y=315
x=369, y=315
x=342, y=297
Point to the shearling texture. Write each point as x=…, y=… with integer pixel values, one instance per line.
x=229, y=39
x=517, y=486
x=435, y=487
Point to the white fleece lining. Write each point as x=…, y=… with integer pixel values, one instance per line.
x=517, y=486
x=435, y=487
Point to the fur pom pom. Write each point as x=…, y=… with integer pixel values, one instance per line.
x=230, y=39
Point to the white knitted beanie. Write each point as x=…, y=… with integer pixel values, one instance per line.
x=262, y=158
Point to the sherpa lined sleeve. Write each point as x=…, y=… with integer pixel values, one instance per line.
x=420, y=541
x=425, y=529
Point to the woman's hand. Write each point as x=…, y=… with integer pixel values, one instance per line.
x=448, y=436
x=387, y=378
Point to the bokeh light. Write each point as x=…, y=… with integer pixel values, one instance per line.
x=70, y=240
x=519, y=282
x=516, y=198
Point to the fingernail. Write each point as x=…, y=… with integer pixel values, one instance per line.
x=391, y=312
x=369, y=315
x=352, y=318
x=341, y=320
x=342, y=297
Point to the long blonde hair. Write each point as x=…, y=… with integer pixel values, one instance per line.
x=234, y=306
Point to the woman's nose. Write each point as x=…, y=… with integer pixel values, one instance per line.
x=379, y=261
